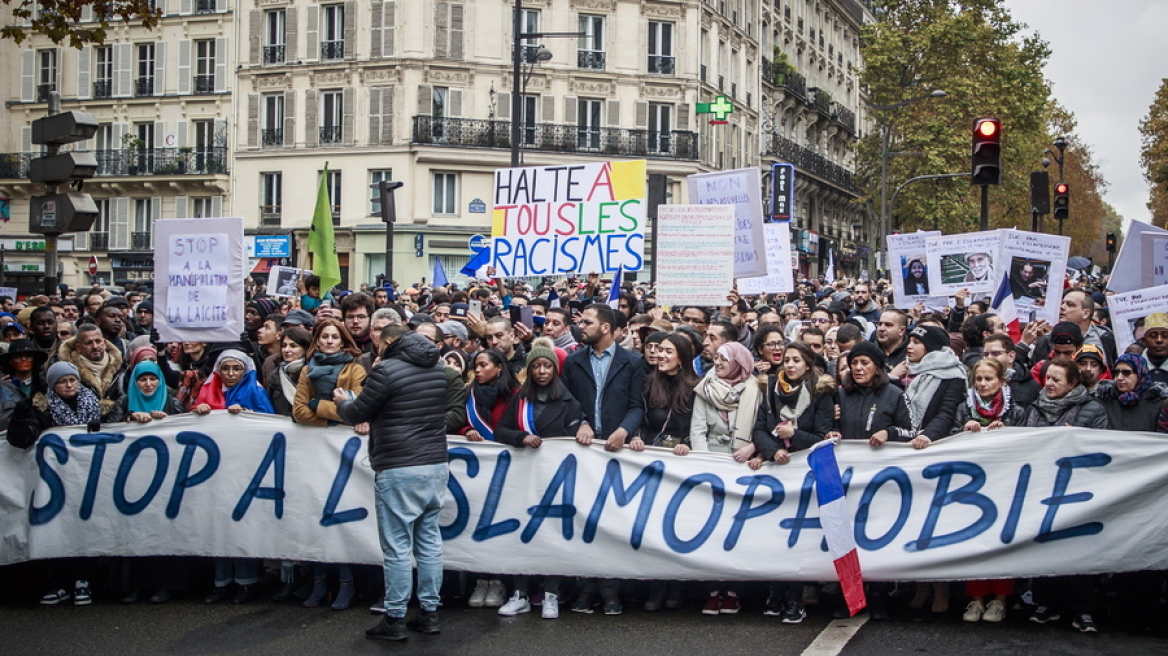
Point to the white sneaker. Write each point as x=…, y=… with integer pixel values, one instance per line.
x=995, y=612
x=974, y=611
x=551, y=606
x=518, y=603
x=479, y=595
x=496, y=594
x=81, y=595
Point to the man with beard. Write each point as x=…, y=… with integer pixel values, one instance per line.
x=98, y=362
x=865, y=305
x=890, y=337
x=1156, y=346
x=357, y=310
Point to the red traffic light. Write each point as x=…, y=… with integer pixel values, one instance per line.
x=1060, y=188
x=987, y=128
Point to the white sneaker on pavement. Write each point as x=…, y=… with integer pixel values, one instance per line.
x=518, y=603
x=995, y=612
x=974, y=611
x=479, y=595
x=551, y=606
x=496, y=594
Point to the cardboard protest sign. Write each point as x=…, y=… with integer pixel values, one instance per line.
x=199, y=266
x=695, y=254
x=741, y=188
x=282, y=281
x=781, y=263
x=1035, y=262
x=1129, y=310
x=910, y=270
x=965, y=261
x=1134, y=268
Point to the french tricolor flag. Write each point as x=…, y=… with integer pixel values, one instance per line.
x=1003, y=306
x=837, y=523
x=614, y=291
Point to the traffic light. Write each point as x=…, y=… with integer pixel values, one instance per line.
x=1040, y=192
x=987, y=151
x=1111, y=242
x=1062, y=201
x=57, y=213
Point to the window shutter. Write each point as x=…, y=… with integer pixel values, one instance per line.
x=549, y=108
x=187, y=7
x=503, y=106
x=350, y=30
x=220, y=65
x=313, y=33
x=87, y=14
x=374, y=111
x=26, y=139
x=182, y=134
x=349, y=99
x=387, y=115
x=255, y=33
x=180, y=207
x=84, y=73
x=289, y=118
x=375, y=19
x=456, y=31
x=220, y=136
x=120, y=129
x=119, y=229
x=425, y=100
x=27, y=76
x=682, y=116
x=160, y=5
x=390, y=31
x=184, y=65
x=216, y=206
x=311, y=107
x=253, y=120
x=642, y=115
x=455, y=103
x=441, y=30
x=570, y=110
x=123, y=70
x=159, y=68
x=80, y=241
x=613, y=113
x=155, y=214
x=159, y=136
x=290, y=14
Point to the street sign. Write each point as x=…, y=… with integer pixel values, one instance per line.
x=93, y=265
x=721, y=108
x=478, y=243
x=269, y=246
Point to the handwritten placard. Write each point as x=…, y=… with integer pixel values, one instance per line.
x=1037, y=264
x=781, y=263
x=203, y=264
x=741, y=188
x=1130, y=309
x=695, y=254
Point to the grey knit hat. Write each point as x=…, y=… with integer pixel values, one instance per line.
x=58, y=371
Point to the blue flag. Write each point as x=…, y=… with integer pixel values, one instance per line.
x=439, y=274
x=615, y=290
x=480, y=260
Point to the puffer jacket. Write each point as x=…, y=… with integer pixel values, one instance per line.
x=865, y=411
x=1015, y=416
x=404, y=401
x=1087, y=414
x=1139, y=417
x=810, y=427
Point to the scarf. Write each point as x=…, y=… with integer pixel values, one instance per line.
x=84, y=409
x=1054, y=409
x=140, y=402
x=288, y=371
x=138, y=355
x=795, y=398
x=479, y=405
x=324, y=371
x=246, y=393
x=527, y=417
x=565, y=341
x=741, y=364
x=96, y=368
x=1143, y=380
x=935, y=367
x=987, y=413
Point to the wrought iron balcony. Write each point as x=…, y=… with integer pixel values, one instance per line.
x=844, y=116
x=269, y=215
x=274, y=54
x=99, y=241
x=204, y=84
x=103, y=89
x=479, y=133
x=272, y=137
x=14, y=166
x=332, y=50
x=141, y=241
x=330, y=134
x=661, y=64
x=793, y=82
x=144, y=86
x=205, y=6
x=43, y=91
x=812, y=162
x=820, y=100
x=591, y=59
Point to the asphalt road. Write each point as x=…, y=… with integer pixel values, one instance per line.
x=187, y=627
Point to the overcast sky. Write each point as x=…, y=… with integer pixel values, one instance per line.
x=1107, y=60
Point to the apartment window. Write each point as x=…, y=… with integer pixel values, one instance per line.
x=274, y=29
x=375, y=200
x=271, y=197
x=106, y=149
x=143, y=158
x=145, y=83
x=527, y=119
x=438, y=100
x=332, y=106
x=591, y=45
x=332, y=45
x=660, y=126
x=661, y=59
x=273, y=126
x=103, y=78
x=445, y=193
x=46, y=74
x=333, y=183
x=202, y=207
x=99, y=234
x=140, y=239
x=204, y=6
x=588, y=123
x=205, y=66
x=530, y=45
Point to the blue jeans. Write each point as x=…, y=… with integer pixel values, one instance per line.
x=244, y=571
x=408, y=502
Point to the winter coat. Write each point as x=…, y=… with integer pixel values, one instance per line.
x=404, y=402
x=865, y=411
x=108, y=386
x=1015, y=416
x=350, y=379
x=1140, y=417
x=1088, y=414
x=32, y=417
x=939, y=414
x=810, y=427
x=622, y=404
x=556, y=418
x=456, y=391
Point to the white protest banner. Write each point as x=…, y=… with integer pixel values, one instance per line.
x=966, y=261
x=10, y=292
x=741, y=188
x=282, y=281
x=554, y=220
x=781, y=263
x=1035, y=261
x=1159, y=261
x=910, y=270
x=1133, y=265
x=1129, y=309
x=199, y=270
x=695, y=254
x=999, y=504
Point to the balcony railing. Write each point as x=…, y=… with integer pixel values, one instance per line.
x=274, y=54
x=821, y=101
x=812, y=162
x=330, y=134
x=204, y=84
x=269, y=215
x=332, y=50
x=661, y=64
x=43, y=91
x=144, y=86
x=205, y=6
x=272, y=137
x=844, y=117
x=103, y=89
x=479, y=133
x=591, y=59
x=141, y=241
x=795, y=83
x=99, y=241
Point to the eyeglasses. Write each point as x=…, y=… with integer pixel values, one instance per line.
x=1124, y=372
x=773, y=345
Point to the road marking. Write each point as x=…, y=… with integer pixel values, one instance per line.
x=837, y=634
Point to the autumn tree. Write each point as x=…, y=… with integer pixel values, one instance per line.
x=1091, y=217
x=60, y=20
x=1154, y=154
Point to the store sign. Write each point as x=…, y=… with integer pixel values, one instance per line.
x=23, y=268
x=268, y=245
x=783, y=191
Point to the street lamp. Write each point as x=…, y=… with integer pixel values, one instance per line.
x=1061, y=144
x=519, y=85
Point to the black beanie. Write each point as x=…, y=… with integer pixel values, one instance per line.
x=932, y=337
x=870, y=350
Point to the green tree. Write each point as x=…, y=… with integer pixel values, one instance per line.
x=1091, y=217
x=1154, y=154
x=60, y=20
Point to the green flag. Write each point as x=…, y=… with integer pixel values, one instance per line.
x=321, y=242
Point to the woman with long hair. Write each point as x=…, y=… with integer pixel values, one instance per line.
x=768, y=344
x=330, y=364
x=282, y=384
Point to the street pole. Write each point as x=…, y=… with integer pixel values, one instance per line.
x=516, y=96
x=51, y=238
x=389, y=217
x=884, y=137
x=985, y=207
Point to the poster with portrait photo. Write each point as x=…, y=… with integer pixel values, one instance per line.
x=967, y=261
x=1129, y=311
x=910, y=273
x=282, y=281
x=1036, y=264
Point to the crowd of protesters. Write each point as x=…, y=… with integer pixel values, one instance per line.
x=756, y=379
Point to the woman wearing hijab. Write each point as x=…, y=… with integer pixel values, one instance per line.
x=541, y=408
x=148, y=398
x=725, y=405
x=1133, y=402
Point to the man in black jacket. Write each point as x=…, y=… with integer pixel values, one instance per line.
x=404, y=400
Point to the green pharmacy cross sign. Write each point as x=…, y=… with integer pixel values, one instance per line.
x=721, y=108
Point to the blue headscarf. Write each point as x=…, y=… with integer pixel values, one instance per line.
x=247, y=392
x=1143, y=380
x=138, y=401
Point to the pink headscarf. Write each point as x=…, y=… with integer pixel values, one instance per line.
x=741, y=364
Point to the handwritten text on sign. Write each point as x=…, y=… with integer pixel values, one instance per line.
x=741, y=188
x=551, y=220
x=197, y=280
x=695, y=254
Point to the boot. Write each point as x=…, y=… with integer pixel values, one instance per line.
x=344, y=595
x=319, y=591
x=389, y=628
